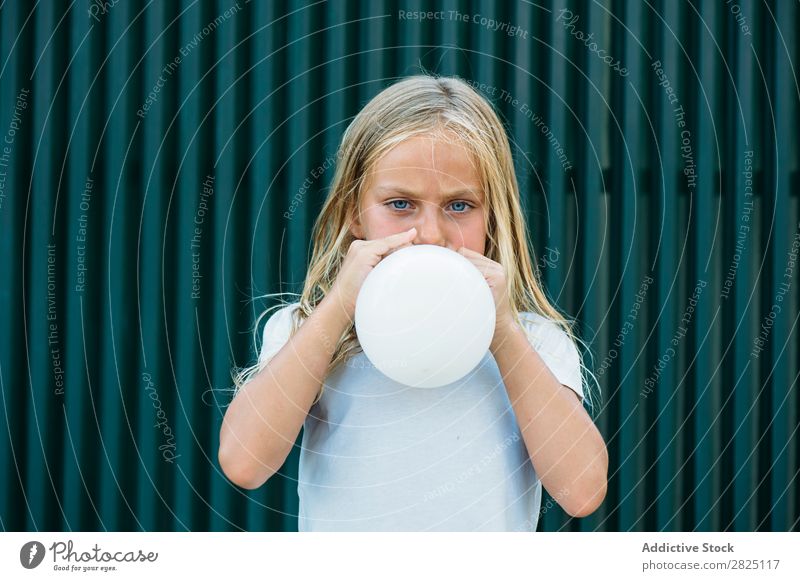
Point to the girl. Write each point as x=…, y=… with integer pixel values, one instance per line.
x=427, y=161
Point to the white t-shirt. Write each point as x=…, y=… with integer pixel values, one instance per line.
x=377, y=455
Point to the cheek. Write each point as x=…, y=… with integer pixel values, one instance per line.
x=379, y=222
x=477, y=229
x=472, y=232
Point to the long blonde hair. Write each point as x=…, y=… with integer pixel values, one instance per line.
x=416, y=105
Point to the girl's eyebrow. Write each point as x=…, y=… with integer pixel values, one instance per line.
x=469, y=192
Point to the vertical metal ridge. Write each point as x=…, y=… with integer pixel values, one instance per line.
x=149, y=231
x=193, y=133
x=14, y=384
x=44, y=289
x=660, y=490
x=707, y=337
x=620, y=352
x=77, y=192
x=783, y=361
x=117, y=482
x=747, y=295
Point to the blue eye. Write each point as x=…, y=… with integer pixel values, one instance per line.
x=464, y=206
x=398, y=202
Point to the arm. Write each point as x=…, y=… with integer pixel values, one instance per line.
x=262, y=422
x=566, y=449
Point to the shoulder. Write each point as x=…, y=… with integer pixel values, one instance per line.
x=545, y=332
x=281, y=317
x=556, y=347
x=286, y=312
x=277, y=330
x=540, y=327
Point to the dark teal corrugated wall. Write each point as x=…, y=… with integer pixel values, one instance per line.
x=151, y=150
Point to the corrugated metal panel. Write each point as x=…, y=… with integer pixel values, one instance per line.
x=147, y=145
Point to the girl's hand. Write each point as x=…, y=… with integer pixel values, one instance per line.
x=495, y=276
x=361, y=258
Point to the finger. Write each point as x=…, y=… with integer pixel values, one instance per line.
x=393, y=242
x=400, y=238
x=482, y=267
x=474, y=257
x=384, y=246
x=488, y=268
x=467, y=253
x=396, y=248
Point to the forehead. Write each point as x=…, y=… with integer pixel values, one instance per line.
x=426, y=164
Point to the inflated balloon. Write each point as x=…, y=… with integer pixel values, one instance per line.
x=425, y=316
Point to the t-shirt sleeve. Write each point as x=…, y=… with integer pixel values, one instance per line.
x=276, y=333
x=556, y=349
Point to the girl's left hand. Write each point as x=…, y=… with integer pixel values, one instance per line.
x=495, y=276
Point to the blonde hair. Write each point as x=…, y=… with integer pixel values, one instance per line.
x=424, y=105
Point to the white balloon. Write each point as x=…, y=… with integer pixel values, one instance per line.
x=425, y=316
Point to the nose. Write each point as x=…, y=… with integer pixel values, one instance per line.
x=430, y=228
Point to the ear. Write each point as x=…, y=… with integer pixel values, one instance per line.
x=356, y=228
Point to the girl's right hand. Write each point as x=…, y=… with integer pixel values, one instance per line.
x=361, y=258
